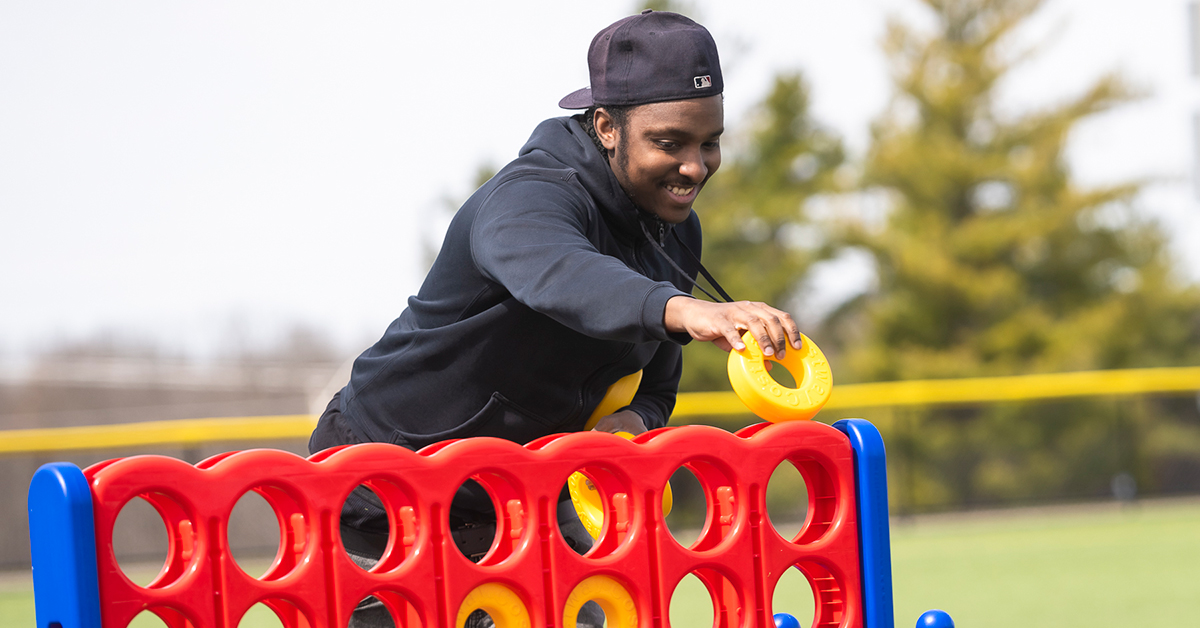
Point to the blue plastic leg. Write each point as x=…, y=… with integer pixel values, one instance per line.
x=935, y=619
x=62, y=539
x=874, y=542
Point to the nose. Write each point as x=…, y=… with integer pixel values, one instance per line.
x=692, y=166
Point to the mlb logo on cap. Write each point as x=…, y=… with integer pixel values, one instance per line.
x=703, y=81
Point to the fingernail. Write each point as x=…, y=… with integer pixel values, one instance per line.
x=767, y=350
x=796, y=344
x=739, y=346
x=782, y=353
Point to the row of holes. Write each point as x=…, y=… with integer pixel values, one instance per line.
x=140, y=538
x=792, y=595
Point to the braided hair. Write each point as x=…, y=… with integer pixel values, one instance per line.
x=619, y=114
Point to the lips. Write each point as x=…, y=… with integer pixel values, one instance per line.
x=681, y=193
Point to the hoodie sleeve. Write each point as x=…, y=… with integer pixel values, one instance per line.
x=530, y=236
x=655, y=398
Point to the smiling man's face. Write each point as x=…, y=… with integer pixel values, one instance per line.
x=665, y=152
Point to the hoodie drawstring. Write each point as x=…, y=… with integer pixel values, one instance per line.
x=658, y=246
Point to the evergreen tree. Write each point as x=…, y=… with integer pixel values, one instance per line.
x=994, y=261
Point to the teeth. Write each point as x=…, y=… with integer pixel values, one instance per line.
x=680, y=191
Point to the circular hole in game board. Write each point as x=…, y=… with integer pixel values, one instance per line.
x=689, y=508
x=479, y=617
x=787, y=500
x=386, y=608
x=581, y=517
x=794, y=595
x=590, y=496
x=364, y=526
x=370, y=611
x=590, y=615
x=140, y=541
x=692, y=603
x=253, y=534
x=146, y=619
x=473, y=520
x=262, y=616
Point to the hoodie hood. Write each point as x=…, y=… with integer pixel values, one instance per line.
x=562, y=142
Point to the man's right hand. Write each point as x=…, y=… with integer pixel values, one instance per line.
x=723, y=324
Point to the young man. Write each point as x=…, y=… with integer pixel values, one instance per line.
x=568, y=270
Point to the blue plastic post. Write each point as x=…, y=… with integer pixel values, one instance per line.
x=62, y=539
x=935, y=619
x=784, y=620
x=874, y=541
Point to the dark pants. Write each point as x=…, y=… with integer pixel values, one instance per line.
x=371, y=613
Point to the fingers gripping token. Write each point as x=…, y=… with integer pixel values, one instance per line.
x=769, y=399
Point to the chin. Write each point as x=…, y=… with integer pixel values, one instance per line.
x=674, y=215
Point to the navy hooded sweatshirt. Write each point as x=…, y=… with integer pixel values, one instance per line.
x=545, y=292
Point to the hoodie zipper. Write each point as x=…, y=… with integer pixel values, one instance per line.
x=638, y=247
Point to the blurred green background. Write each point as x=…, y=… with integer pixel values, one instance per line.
x=990, y=260
x=988, y=257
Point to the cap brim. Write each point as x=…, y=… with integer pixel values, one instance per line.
x=578, y=99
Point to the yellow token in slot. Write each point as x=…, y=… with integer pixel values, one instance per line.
x=590, y=507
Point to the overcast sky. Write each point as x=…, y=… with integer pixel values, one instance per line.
x=195, y=173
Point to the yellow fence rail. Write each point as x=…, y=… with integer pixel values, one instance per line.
x=186, y=432
x=193, y=432
x=973, y=390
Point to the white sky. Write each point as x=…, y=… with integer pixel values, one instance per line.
x=194, y=173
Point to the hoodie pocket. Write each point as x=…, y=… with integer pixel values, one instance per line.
x=499, y=418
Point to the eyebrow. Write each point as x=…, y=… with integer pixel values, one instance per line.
x=679, y=131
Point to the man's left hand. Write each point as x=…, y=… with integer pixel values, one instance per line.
x=623, y=421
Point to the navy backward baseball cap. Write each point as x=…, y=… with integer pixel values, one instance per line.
x=655, y=56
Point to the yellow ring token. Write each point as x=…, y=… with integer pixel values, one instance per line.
x=769, y=399
x=618, y=606
x=590, y=507
x=619, y=395
x=584, y=495
x=498, y=601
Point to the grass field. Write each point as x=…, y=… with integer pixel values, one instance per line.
x=1137, y=565
x=1054, y=568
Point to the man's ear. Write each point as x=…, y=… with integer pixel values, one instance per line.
x=605, y=129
